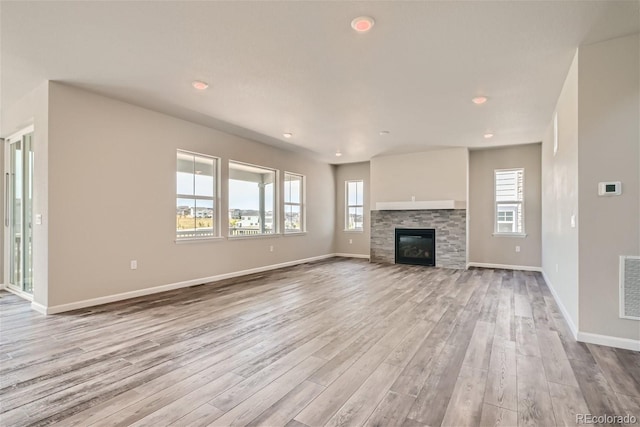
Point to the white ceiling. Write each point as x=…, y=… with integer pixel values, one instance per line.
x=298, y=67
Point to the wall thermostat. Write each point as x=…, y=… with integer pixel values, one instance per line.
x=613, y=188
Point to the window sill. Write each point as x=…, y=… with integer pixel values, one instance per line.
x=200, y=240
x=519, y=235
x=294, y=233
x=254, y=236
x=353, y=231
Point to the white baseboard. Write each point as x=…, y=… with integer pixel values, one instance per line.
x=352, y=256
x=168, y=287
x=581, y=336
x=588, y=337
x=563, y=309
x=504, y=266
x=38, y=307
x=609, y=341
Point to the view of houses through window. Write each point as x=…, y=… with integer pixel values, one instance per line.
x=293, y=203
x=196, y=178
x=354, y=205
x=509, y=196
x=251, y=200
x=252, y=207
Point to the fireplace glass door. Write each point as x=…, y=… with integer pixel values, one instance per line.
x=416, y=246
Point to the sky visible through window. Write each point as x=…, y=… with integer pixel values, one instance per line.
x=242, y=194
x=245, y=195
x=203, y=184
x=292, y=189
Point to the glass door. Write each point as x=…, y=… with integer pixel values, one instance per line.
x=18, y=211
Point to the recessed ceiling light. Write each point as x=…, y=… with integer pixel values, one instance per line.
x=199, y=85
x=488, y=135
x=338, y=153
x=479, y=100
x=384, y=132
x=362, y=24
x=287, y=134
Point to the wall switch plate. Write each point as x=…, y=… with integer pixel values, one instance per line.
x=351, y=241
x=38, y=219
x=134, y=264
x=573, y=221
x=517, y=248
x=271, y=248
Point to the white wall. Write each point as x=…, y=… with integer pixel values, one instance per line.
x=484, y=247
x=431, y=175
x=609, y=149
x=33, y=110
x=360, y=240
x=560, y=200
x=112, y=200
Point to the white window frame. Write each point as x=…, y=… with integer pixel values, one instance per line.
x=302, y=205
x=522, y=232
x=276, y=204
x=505, y=221
x=215, y=198
x=347, y=206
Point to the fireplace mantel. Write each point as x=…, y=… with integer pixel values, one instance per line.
x=420, y=205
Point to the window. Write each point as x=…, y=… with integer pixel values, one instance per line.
x=196, y=196
x=354, y=213
x=293, y=203
x=251, y=200
x=509, y=197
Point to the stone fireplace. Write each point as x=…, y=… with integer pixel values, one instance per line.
x=450, y=227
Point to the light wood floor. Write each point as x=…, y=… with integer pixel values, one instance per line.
x=341, y=342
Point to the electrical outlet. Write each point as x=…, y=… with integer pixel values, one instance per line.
x=517, y=248
x=38, y=219
x=271, y=248
x=351, y=241
x=134, y=264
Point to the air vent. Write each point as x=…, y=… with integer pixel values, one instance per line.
x=630, y=287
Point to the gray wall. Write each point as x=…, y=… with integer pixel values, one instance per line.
x=112, y=191
x=599, y=134
x=609, y=150
x=431, y=175
x=352, y=242
x=560, y=200
x=484, y=247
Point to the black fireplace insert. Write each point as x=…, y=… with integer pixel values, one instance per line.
x=416, y=246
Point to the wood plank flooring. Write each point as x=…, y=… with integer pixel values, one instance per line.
x=338, y=343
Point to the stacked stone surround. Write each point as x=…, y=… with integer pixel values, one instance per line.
x=450, y=226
